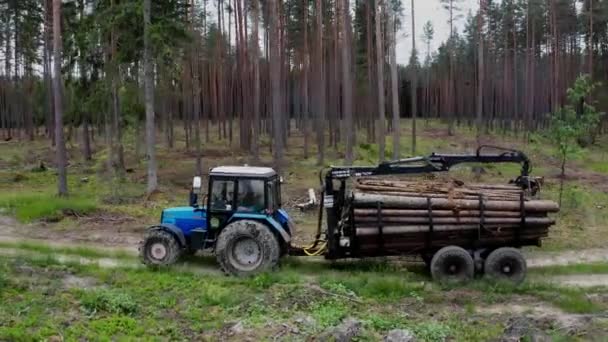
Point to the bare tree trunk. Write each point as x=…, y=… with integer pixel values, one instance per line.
x=47, y=72
x=149, y=102
x=414, y=83
x=380, y=73
x=275, y=85
x=255, y=60
x=62, y=184
x=347, y=83
x=86, y=139
x=320, y=83
x=305, y=71
x=590, y=43
x=480, y=70
x=392, y=30
x=370, y=78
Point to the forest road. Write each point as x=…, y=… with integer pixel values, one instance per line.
x=13, y=233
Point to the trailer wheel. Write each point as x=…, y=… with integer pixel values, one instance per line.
x=452, y=264
x=247, y=247
x=159, y=248
x=507, y=264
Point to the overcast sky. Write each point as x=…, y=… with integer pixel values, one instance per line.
x=426, y=10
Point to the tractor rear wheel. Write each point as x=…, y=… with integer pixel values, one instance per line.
x=247, y=247
x=506, y=264
x=452, y=264
x=159, y=248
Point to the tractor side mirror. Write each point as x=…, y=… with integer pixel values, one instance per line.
x=196, y=189
x=197, y=184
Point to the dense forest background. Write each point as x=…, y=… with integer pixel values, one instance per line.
x=261, y=70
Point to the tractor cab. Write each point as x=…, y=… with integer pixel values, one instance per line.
x=235, y=195
x=243, y=191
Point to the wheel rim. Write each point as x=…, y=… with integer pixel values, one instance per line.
x=454, y=267
x=158, y=251
x=246, y=253
x=507, y=267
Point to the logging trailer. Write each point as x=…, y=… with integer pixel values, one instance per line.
x=479, y=230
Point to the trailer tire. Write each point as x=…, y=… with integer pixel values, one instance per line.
x=246, y=248
x=507, y=264
x=159, y=248
x=452, y=265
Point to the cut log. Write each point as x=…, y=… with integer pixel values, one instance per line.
x=435, y=213
x=455, y=220
x=371, y=200
x=390, y=230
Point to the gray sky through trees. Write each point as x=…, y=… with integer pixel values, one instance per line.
x=429, y=10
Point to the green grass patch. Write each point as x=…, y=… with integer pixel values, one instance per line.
x=378, y=286
x=45, y=206
x=573, y=300
x=83, y=251
x=591, y=268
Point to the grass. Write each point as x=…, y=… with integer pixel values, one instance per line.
x=572, y=300
x=29, y=207
x=125, y=303
x=591, y=268
x=82, y=251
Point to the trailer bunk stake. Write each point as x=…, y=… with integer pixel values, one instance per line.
x=429, y=236
x=380, y=229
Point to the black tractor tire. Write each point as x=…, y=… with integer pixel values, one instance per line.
x=246, y=247
x=506, y=264
x=159, y=248
x=452, y=265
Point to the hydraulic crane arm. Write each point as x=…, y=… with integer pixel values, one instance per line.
x=433, y=163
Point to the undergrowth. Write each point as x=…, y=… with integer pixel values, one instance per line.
x=28, y=207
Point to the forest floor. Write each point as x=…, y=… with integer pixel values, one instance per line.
x=72, y=264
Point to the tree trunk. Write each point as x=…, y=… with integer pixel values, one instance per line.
x=62, y=184
x=149, y=102
x=392, y=30
x=347, y=83
x=255, y=65
x=380, y=77
x=480, y=70
x=590, y=43
x=413, y=85
x=320, y=83
x=275, y=85
x=305, y=71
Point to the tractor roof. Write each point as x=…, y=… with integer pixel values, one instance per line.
x=242, y=171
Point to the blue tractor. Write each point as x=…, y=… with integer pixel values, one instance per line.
x=241, y=220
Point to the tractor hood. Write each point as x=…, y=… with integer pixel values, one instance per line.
x=185, y=218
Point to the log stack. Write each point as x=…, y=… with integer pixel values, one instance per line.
x=406, y=215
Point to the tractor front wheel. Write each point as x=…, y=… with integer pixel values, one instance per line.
x=247, y=247
x=159, y=248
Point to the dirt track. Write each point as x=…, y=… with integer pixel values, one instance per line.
x=115, y=238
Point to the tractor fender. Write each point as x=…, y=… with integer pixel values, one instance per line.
x=174, y=230
x=274, y=224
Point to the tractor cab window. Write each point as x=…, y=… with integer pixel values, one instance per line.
x=222, y=194
x=274, y=194
x=250, y=195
